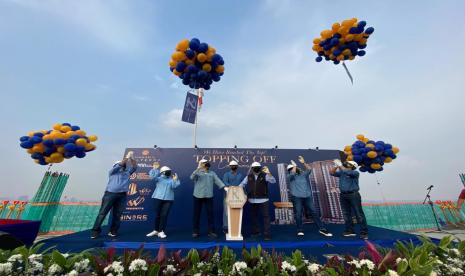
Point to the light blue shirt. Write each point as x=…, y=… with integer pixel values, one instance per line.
x=203, y=183
x=268, y=177
x=165, y=186
x=118, y=178
x=232, y=179
x=348, y=180
x=299, y=184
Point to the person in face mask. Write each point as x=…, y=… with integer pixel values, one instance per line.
x=256, y=185
x=351, y=201
x=163, y=196
x=204, y=179
x=115, y=195
x=230, y=178
x=302, y=195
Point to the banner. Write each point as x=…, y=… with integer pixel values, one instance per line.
x=190, y=108
x=183, y=161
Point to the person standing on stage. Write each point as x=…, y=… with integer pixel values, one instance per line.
x=230, y=178
x=256, y=185
x=351, y=201
x=204, y=179
x=163, y=197
x=115, y=195
x=302, y=196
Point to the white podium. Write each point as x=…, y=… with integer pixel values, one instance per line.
x=235, y=200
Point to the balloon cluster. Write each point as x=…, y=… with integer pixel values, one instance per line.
x=64, y=141
x=344, y=41
x=370, y=155
x=197, y=64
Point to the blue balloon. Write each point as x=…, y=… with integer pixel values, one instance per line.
x=42, y=162
x=194, y=44
x=36, y=155
x=185, y=81
x=26, y=144
x=379, y=147
x=318, y=59
x=75, y=137
x=180, y=66
x=388, y=146
x=59, y=141
x=35, y=139
x=203, y=47
x=206, y=87
x=80, y=148
x=361, y=53
x=380, y=169
x=336, y=62
x=337, y=52
x=66, y=124
x=202, y=74
x=362, y=24
x=370, y=170
x=326, y=58
x=334, y=42
x=39, y=134
x=353, y=30
x=337, y=35
x=48, y=143
x=24, y=138
x=388, y=152
x=363, y=168
x=69, y=154
x=80, y=154
x=74, y=128
x=190, y=54
x=358, y=158
x=221, y=62
x=355, y=151
x=327, y=47
x=369, y=30
x=321, y=53
x=192, y=69
x=70, y=147
x=48, y=151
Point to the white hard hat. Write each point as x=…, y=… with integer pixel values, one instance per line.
x=290, y=166
x=116, y=162
x=164, y=169
x=203, y=161
x=256, y=164
x=353, y=163
x=233, y=163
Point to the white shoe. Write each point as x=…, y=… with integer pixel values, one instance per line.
x=153, y=233
x=300, y=234
x=162, y=235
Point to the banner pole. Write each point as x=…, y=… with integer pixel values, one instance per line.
x=196, y=119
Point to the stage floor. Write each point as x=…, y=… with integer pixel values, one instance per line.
x=284, y=240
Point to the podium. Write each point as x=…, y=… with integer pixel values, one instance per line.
x=235, y=200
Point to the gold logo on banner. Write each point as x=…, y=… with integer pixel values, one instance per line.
x=132, y=189
x=145, y=152
x=136, y=202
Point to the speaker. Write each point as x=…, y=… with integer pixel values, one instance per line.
x=8, y=241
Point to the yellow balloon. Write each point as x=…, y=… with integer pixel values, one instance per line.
x=90, y=146
x=30, y=133
x=201, y=57
x=30, y=151
x=354, y=20
x=340, y=57
x=348, y=147
x=61, y=149
x=172, y=63
x=178, y=56
x=349, y=37
x=372, y=154
x=176, y=72
x=366, y=140
x=65, y=128
x=347, y=23
x=326, y=34
x=388, y=160
x=346, y=52
x=219, y=69
x=59, y=160
x=317, y=41
x=92, y=138
x=370, y=146
x=343, y=30
x=189, y=61
x=350, y=158
x=211, y=50
x=375, y=166
x=183, y=45
x=336, y=26
x=38, y=148
x=56, y=126
x=69, y=134
x=207, y=67
x=56, y=156
x=395, y=150
x=48, y=160
x=363, y=41
x=43, y=131
x=80, y=132
x=360, y=137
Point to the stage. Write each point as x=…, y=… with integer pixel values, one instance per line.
x=284, y=240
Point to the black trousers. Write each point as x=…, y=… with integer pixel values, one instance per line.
x=114, y=202
x=162, y=209
x=198, y=204
x=264, y=210
x=351, y=204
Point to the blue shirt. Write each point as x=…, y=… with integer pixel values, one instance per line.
x=299, y=184
x=232, y=179
x=203, y=183
x=118, y=180
x=165, y=186
x=348, y=180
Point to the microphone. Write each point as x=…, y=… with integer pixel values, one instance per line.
x=430, y=187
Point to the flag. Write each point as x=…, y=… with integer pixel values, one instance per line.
x=190, y=108
x=200, y=98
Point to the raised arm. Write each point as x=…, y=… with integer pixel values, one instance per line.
x=154, y=173
x=115, y=169
x=195, y=175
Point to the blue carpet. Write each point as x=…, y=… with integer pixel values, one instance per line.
x=284, y=240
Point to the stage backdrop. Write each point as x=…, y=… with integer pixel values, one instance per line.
x=183, y=161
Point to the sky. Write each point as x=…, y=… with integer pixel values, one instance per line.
x=103, y=65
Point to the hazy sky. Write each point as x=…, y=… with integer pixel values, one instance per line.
x=103, y=65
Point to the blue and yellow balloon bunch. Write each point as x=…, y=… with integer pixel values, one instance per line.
x=344, y=41
x=370, y=155
x=64, y=141
x=197, y=64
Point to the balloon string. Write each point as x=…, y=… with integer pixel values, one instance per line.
x=348, y=73
x=380, y=189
